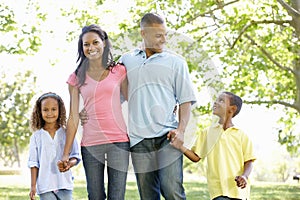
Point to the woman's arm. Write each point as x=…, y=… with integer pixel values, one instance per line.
x=72, y=123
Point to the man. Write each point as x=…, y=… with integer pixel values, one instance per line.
x=158, y=80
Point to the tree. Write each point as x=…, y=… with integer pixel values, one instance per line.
x=257, y=43
x=21, y=39
x=15, y=100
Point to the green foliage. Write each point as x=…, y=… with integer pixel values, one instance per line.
x=288, y=134
x=15, y=106
x=20, y=37
x=257, y=45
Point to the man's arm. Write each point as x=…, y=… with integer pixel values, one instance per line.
x=184, y=116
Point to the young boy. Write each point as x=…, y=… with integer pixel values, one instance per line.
x=228, y=149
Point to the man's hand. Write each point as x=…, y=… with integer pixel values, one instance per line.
x=241, y=181
x=83, y=117
x=176, y=139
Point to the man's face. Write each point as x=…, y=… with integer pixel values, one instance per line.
x=154, y=37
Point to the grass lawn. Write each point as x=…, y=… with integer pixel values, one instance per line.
x=14, y=188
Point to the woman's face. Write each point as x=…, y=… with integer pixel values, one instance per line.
x=93, y=46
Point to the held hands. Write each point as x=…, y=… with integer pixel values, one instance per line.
x=64, y=164
x=241, y=181
x=176, y=139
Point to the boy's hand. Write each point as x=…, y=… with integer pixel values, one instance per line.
x=241, y=181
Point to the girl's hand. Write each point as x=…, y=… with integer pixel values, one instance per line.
x=32, y=193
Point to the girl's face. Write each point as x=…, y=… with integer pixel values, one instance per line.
x=50, y=110
x=93, y=46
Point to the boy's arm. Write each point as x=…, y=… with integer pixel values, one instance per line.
x=241, y=180
x=190, y=154
x=177, y=143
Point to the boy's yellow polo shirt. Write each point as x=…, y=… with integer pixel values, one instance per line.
x=226, y=152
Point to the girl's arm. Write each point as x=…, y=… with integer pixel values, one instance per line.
x=72, y=123
x=73, y=162
x=34, y=174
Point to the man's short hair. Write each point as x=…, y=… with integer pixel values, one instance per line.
x=151, y=18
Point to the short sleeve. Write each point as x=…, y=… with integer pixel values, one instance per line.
x=120, y=70
x=199, y=146
x=72, y=80
x=247, y=148
x=184, y=89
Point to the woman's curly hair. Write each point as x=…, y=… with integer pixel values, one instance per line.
x=37, y=121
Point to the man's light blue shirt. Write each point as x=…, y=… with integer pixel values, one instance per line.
x=156, y=85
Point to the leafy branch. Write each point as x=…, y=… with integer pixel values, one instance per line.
x=272, y=102
x=220, y=6
x=289, y=9
x=268, y=55
x=244, y=29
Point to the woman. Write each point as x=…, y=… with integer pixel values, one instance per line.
x=100, y=82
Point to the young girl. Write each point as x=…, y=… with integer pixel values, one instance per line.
x=48, y=120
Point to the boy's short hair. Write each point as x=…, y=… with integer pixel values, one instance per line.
x=236, y=101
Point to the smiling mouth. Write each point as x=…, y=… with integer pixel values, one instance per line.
x=93, y=53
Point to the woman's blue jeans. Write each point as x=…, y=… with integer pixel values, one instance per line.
x=158, y=169
x=116, y=158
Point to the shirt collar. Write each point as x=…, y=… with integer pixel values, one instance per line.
x=215, y=123
x=140, y=51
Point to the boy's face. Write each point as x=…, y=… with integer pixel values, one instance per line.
x=222, y=106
